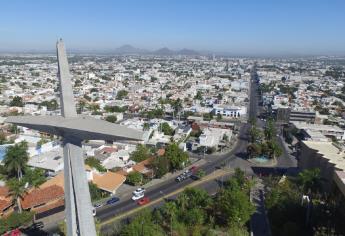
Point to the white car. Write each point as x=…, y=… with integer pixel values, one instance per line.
x=94, y=211
x=139, y=191
x=137, y=196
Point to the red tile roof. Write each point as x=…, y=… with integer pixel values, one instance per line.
x=4, y=204
x=143, y=165
x=108, y=150
x=59, y=203
x=4, y=191
x=41, y=196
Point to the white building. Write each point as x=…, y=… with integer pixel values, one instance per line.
x=211, y=137
x=230, y=111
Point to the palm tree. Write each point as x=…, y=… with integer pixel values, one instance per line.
x=17, y=191
x=270, y=130
x=16, y=158
x=170, y=210
x=310, y=180
x=182, y=201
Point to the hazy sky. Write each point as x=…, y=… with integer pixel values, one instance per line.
x=237, y=26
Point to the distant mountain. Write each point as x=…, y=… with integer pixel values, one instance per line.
x=164, y=52
x=188, y=52
x=167, y=52
x=129, y=49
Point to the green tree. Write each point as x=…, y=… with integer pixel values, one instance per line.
x=198, y=96
x=166, y=129
x=51, y=105
x=255, y=134
x=170, y=212
x=112, y=109
x=3, y=139
x=81, y=106
x=219, y=117
x=194, y=217
x=17, y=102
x=17, y=191
x=94, y=108
x=234, y=206
x=197, y=198
x=146, y=126
x=272, y=149
x=178, y=158
x=176, y=104
x=270, y=130
x=16, y=158
x=310, y=180
x=95, y=192
x=35, y=177
x=253, y=150
x=208, y=116
x=95, y=163
x=111, y=118
x=121, y=94
x=16, y=220
x=161, y=166
x=141, y=153
x=142, y=224
x=134, y=178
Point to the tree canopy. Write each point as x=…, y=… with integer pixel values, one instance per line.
x=16, y=158
x=17, y=102
x=111, y=118
x=95, y=163
x=141, y=153
x=166, y=129
x=178, y=158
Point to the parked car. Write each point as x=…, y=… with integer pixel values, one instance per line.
x=98, y=205
x=94, y=211
x=113, y=200
x=195, y=177
x=139, y=191
x=143, y=201
x=137, y=196
x=185, y=175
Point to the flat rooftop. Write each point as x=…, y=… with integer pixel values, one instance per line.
x=329, y=151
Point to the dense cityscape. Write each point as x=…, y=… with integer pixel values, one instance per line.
x=236, y=138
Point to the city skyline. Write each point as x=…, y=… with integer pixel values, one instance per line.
x=246, y=28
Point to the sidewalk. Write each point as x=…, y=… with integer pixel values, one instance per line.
x=259, y=222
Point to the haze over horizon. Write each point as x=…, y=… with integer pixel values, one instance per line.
x=244, y=28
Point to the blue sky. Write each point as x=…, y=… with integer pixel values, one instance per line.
x=248, y=27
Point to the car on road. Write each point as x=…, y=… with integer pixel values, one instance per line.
x=137, y=196
x=185, y=175
x=37, y=225
x=195, y=177
x=98, y=205
x=113, y=200
x=94, y=211
x=139, y=191
x=143, y=201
